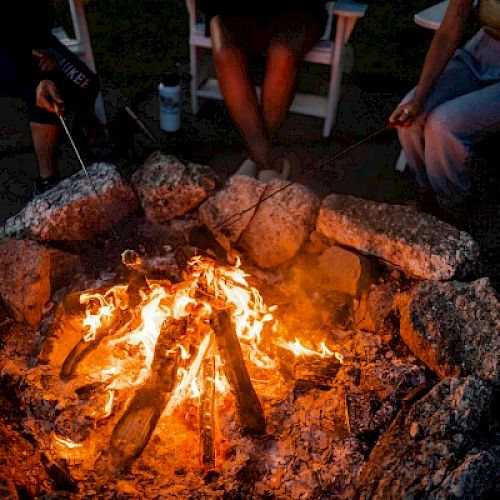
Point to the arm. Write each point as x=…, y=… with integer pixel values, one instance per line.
x=442, y=48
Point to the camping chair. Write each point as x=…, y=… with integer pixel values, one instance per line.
x=81, y=46
x=326, y=51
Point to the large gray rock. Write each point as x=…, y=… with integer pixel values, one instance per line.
x=222, y=212
x=435, y=450
x=281, y=224
x=71, y=211
x=418, y=243
x=168, y=188
x=453, y=327
x=25, y=279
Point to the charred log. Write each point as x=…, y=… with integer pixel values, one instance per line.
x=248, y=405
x=84, y=347
x=207, y=409
x=133, y=431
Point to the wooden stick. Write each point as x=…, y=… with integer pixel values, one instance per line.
x=248, y=406
x=207, y=412
x=133, y=431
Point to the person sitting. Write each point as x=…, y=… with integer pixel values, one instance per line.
x=282, y=29
x=35, y=66
x=455, y=103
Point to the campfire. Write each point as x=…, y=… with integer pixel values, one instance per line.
x=151, y=348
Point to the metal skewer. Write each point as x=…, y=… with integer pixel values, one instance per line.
x=237, y=216
x=84, y=168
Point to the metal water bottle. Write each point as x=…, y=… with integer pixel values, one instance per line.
x=169, y=91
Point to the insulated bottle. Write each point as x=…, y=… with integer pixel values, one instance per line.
x=169, y=91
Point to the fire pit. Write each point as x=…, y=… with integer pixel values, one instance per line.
x=190, y=371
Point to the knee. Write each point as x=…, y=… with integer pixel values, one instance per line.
x=283, y=55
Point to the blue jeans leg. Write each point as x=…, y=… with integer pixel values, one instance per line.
x=463, y=107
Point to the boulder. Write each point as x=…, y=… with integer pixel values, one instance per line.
x=71, y=210
x=453, y=327
x=25, y=279
x=222, y=212
x=344, y=271
x=168, y=188
x=281, y=224
x=435, y=450
x=418, y=243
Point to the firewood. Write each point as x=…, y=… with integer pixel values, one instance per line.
x=207, y=408
x=248, y=406
x=133, y=431
x=83, y=348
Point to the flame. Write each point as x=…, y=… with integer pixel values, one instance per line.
x=66, y=442
x=108, y=303
x=208, y=285
x=300, y=350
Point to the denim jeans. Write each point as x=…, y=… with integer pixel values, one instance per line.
x=463, y=107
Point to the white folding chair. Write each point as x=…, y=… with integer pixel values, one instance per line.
x=81, y=46
x=327, y=52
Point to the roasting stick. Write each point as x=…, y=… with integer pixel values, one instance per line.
x=84, y=168
x=237, y=216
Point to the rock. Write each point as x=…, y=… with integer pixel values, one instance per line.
x=344, y=271
x=453, y=327
x=378, y=311
x=418, y=243
x=422, y=453
x=240, y=193
x=168, y=188
x=63, y=267
x=25, y=279
x=71, y=211
x=281, y=224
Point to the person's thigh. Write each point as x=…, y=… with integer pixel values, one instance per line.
x=472, y=115
x=299, y=30
x=246, y=34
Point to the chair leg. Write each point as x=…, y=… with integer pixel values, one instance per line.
x=335, y=77
x=193, y=64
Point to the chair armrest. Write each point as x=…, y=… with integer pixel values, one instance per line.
x=347, y=8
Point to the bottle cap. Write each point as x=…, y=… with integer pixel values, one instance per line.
x=170, y=79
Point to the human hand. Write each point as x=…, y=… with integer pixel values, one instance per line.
x=47, y=97
x=405, y=113
x=46, y=61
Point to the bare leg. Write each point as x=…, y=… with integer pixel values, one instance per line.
x=294, y=34
x=45, y=144
x=231, y=53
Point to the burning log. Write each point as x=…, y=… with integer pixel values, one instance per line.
x=207, y=420
x=86, y=346
x=248, y=406
x=132, y=432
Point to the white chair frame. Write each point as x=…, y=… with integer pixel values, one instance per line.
x=82, y=47
x=325, y=52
